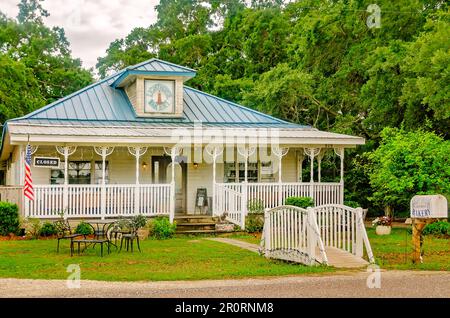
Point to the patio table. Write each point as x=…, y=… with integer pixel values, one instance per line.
x=100, y=228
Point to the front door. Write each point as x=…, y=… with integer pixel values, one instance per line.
x=162, y=173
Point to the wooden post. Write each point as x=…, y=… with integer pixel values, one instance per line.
x=66, y=151
x=417, y=228
x=173, y=154
x=359, y=236
x=137, y=152
x=214, y=201
x=340, y=153
x=311, y=153
x=300, y=159
x=103, y=152
x=311, y=235
x=267, y=229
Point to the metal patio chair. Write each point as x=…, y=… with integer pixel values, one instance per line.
x=64, y=232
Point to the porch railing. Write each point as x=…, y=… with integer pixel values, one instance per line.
x=271, y=195
x=87, y=201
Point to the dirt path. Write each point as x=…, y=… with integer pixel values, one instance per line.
x=393, y=284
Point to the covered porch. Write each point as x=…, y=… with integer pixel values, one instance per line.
x=111, y=181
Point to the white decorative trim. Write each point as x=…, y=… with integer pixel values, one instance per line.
x=311, y=152
x=103, y=150
x=137, y=151
x=66, y=150
x=246, y=151
x=280, y=152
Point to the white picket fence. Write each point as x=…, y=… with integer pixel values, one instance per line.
x=90, y=200
x=233, y=198
x=292, y=233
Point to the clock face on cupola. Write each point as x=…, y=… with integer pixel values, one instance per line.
x=159, y=96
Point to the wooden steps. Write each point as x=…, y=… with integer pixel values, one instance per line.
x=196, y=224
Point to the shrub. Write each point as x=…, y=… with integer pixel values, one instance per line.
x=48, y=229
x=139, y=221
x=83, y=228
x=254, y=223
x=9, y=218
x=162, y=229
x=301, y=202
x=437, y=228
x=255, y=206
x=33, y=227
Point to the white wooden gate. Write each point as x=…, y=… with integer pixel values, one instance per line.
x=295, y=234
x=291, y=233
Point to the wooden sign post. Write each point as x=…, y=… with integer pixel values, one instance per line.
x=425, y=209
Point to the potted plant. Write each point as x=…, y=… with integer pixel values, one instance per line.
x=139, y=221
x=383, y=225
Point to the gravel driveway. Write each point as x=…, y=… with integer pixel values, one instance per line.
x=351, y=284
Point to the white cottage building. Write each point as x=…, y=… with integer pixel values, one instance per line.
x=140, y=141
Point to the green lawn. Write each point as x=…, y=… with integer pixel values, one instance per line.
x=183, y=258
x=394, y=251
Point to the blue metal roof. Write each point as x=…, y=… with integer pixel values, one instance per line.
x=102, y=104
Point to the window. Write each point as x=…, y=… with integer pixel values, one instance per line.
x=80, y=173
x=267, y=174
x=252, y=172
x=230, y=174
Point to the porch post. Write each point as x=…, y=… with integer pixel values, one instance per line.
x=214, y=183
x=246, y=153
x=174, y=152
x=300, y=159
x=280, y=153
x=319, y=164
x=214, y=153
x=137, y=152
x=311, y=153
x=66, y=151
x=340, y=153
x=103, y=152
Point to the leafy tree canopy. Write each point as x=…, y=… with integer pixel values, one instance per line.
x=408, y=163
x=36, y=63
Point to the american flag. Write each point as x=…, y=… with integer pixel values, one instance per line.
x=28, y=186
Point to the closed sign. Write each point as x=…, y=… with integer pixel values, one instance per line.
x=45, y=162
x=429, y=206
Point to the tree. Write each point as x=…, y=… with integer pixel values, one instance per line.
x=408, y=163
x=36, y=63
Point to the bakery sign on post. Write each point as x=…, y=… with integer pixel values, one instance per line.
x=425, y=209
x=46, y=162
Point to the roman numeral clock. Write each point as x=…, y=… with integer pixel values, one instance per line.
x=159, y=96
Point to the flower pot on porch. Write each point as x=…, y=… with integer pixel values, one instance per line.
x=383, y=230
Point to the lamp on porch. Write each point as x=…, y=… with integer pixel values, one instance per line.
x=195, y=164
x=144, y=165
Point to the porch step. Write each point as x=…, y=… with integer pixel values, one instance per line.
x=197, y=231
x=191, y=224
x=196, y=219
x=195, y=226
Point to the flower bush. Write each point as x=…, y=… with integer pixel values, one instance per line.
x=382, y=220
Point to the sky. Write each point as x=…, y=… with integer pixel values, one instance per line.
x=91, y=25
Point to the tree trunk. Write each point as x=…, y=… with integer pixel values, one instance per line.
x=388, y=210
